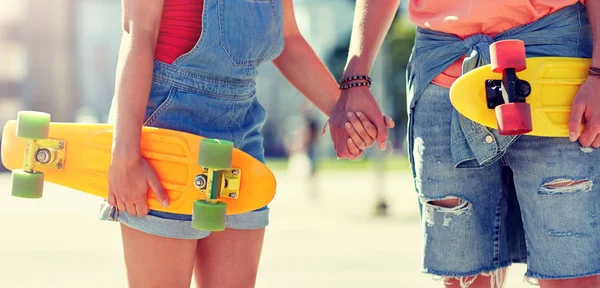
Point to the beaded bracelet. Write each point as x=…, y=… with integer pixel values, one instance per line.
x=365, y=81
x=355, y=84
x=357, y=77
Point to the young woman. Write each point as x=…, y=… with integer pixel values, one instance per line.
x=191, y=65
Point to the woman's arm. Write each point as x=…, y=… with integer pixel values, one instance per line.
x=141, y=23
x=130, y=175
x=301, y=66
x=373, y=19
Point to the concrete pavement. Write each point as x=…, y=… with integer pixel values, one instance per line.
x=321, y=234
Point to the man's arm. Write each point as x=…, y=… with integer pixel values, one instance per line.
x=586, y=105
x=593, y=11
x=372, y=20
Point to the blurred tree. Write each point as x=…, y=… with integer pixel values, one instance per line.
x=399, y=42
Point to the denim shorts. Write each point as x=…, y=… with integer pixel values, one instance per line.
x=538, y=204
x=227, y=110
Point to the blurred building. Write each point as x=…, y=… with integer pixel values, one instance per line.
x=36, y=65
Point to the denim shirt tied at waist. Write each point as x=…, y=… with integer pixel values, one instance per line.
x=564, y=33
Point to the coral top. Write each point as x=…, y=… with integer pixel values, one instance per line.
x=464, y=18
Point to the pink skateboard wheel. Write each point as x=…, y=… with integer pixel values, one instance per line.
x=508, y=54
x=513, y=118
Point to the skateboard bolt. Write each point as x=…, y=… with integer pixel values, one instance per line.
x=232, y=195
x=61, y=145
x=235, y=172
x=524, y=88
x=43, y=156
x=200, y=181
x=59, y=166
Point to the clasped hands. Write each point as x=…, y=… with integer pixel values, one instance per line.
x=356, y=123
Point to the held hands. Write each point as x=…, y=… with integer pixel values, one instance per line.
x=373, y=124
x=362, y=132
x=586, y=111
x=129, y=180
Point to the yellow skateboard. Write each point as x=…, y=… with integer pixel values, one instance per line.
x=519, y=95
x=205, y=178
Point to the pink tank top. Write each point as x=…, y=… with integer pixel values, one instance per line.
x=180, y=29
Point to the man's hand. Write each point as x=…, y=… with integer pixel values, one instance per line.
x=586, y=111
x=357, y=99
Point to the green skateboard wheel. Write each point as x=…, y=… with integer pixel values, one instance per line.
x=33, y=125
x=27, y=184
x=209, y=217
x=215, y=154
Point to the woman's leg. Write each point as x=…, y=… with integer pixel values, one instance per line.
x=228, y=259
x=154, y=261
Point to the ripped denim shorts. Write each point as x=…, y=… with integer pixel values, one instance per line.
x=538, y=204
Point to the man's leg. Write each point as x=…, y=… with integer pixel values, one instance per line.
x=463, y=210
x=495, y=279
x=557, y=187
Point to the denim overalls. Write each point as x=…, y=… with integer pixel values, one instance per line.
x=523, y=199
x=211, y=91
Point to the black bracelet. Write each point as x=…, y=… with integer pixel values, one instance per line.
x=354, y=78
x=594, y=72
x=356, y=84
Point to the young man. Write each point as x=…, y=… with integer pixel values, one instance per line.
x=486, y=200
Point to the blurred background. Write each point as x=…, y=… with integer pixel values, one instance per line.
x=60, y=56
x=334, y=223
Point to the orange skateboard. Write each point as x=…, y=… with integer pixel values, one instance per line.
x=205, y=178
x=519, y=95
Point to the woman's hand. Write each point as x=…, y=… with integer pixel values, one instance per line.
x=363, y=132
x=129, y=179
x=361, y=100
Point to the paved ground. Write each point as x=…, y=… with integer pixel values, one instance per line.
x=311, y=242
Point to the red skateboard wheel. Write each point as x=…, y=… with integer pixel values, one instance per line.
x=508, y=54
x=513, y=118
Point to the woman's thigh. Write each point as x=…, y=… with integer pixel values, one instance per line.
x=155, y=261
x=231, y=252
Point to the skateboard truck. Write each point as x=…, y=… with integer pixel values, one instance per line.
x=33, y=127
x=510, y=89
x=217, y=180
x=46, y=153
x=229, y=186
x=507, y=96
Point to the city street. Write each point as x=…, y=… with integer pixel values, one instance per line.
x=322, y=235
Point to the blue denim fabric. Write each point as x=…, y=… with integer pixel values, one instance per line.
x=510, y=208
x=564, y=33
x=211, y=91
x=509, y=211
